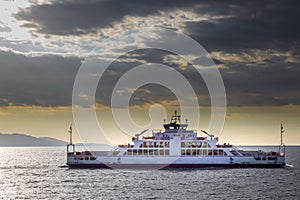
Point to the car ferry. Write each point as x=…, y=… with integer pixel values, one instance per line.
x=175, y=147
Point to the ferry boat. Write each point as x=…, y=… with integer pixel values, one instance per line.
x=175, y=147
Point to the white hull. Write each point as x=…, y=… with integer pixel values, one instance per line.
x=174, y=161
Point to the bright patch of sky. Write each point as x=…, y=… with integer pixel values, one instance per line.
x=13, y=36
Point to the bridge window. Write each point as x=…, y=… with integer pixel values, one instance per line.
x=151, y=152
x=129, y=152
x=216, y=152
x=221, y=152
x=183, y=144
x=188, y=152
x=167, y=152
x=183, y=152
x=193, y=144
x=161, y=152
x=134, y=151
x=167, y=144
x=206, y=145
x=200, y=152
x=194, y=152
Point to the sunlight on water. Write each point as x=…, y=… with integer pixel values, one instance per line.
x=37, y=173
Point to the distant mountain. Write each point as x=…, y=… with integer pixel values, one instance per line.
x=22, y=140
x=17, y=139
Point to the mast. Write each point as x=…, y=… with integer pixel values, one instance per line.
x=281, y=132
x=70, y=131
x=281, y=151
x=71, y=142
x=176, y=118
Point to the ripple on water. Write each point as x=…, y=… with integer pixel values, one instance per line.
x=36, y=177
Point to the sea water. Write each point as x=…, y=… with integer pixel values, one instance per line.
x=40, y=173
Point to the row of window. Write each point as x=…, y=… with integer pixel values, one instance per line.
x=155, y=144
x=195, y=144
x=145, y=152
x=184, y=152
x=167, y=144
x=84, y=158
x=266, y=158
x=203, y=152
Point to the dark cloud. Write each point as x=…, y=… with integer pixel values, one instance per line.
x=45, y=80
x=48, y=81
x=151, y=93
x=262, y=79
x=254, y=24
x=239, y=27
x=268, y=85
x=247, y=83
x=245, y=24
x=80, y=17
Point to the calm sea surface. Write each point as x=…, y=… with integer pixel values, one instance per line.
x=37, y=173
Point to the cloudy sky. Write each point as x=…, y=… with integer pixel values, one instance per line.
x=255, y=45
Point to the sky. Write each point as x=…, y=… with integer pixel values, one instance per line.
x=254, y=44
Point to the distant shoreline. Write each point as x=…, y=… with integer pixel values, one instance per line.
x=23, y=140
